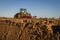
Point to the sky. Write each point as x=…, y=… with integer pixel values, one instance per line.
x=39, y=8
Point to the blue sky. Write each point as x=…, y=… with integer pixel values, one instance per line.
x=39, y=8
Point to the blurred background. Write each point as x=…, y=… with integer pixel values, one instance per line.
x=39, y=8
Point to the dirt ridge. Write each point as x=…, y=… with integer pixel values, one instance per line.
x=29, y=29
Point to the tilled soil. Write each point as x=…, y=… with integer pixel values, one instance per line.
x=27, y=30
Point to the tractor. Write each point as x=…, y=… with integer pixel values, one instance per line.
x=24, y=14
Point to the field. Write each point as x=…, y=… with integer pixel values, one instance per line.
x=29, y=29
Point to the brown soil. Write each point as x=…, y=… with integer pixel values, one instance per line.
x=29, y=29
